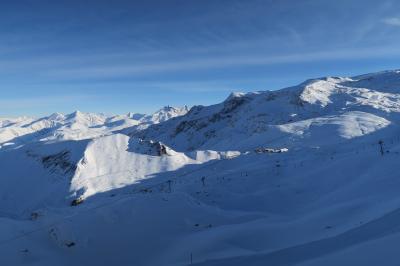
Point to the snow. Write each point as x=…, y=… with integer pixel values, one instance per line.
x=307, y=175
x=120, y=165
x=77, y=125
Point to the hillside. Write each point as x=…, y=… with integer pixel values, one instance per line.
x=346, y=107
x=306, y=175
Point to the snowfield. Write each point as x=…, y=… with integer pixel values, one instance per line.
x=306, y=175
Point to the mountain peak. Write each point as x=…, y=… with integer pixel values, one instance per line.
x=135, y=116
x=235, y=95
x=169, y=108
x=164, y=114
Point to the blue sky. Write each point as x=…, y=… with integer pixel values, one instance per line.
x=120, y=56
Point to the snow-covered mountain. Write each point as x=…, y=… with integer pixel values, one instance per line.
x=76, y=126
x=164, y=114
x=351, y=107
x=306, y=175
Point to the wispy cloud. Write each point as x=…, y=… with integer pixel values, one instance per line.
x=209, y=63
x=68, y=50
x=393, y=21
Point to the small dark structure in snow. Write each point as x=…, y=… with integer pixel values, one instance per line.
x=203, y=181
x=77, y=201
x=150, y=147
x=271, y=150
x=381, y=147
x=34, y=216
x=162, y=149
x=70, y=244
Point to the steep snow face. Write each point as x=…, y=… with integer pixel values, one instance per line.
x=319, y=92
x=116, y=161
x=264, y=116
x=37, y=175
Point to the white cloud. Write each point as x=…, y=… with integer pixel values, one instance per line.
x=227, y=61
x=393, y=21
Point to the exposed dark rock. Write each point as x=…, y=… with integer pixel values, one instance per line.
x=59, y=162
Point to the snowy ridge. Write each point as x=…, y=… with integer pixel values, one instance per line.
x=164, y=114
x=125, y=162
x=76, y=126
x=264, y=116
